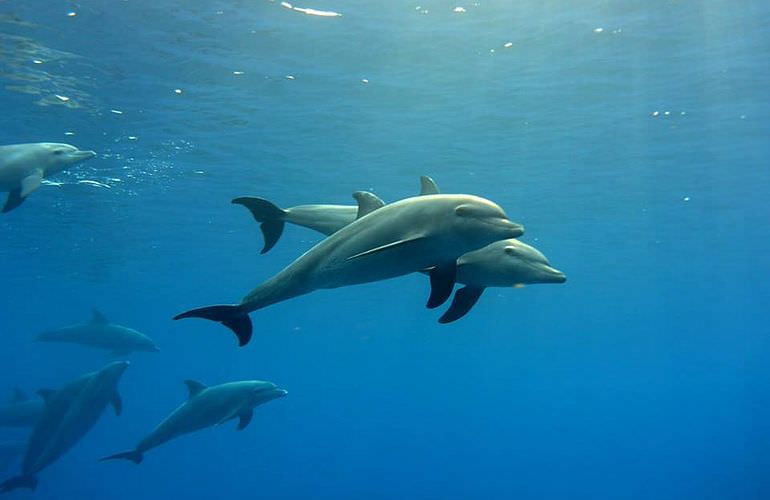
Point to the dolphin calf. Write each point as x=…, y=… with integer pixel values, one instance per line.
x=206, y=407
x=24, y=166
x=21, y=411
x=407, y=236
x=100, y=333
x=503, y=263
x=69, y=414
x=326, y=219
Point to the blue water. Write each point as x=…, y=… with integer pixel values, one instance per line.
x=630, y=138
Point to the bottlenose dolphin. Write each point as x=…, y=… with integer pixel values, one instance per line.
x=326, y=219
x=407, y=236
x=69, y=414
x=206, y=407
x=99, y=332
x=506, y=263
x=21, y=411
x=24, y=166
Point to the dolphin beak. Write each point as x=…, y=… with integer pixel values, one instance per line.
x=83, y=155
x=282, y=393
x=515, y=229
x=555, y=276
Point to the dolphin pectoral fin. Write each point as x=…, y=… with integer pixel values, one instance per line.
x=442, y=282
x=232, y=316
x=367, y=203
x=14, y=200
x=387, y=246
x=245, y=419
x=464, y=300
x=117, y=403
x=428, y=186
x=31, y=183
x=270, y=217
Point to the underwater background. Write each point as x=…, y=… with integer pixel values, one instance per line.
x=630, y=139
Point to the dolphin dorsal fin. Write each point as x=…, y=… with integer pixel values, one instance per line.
x=98, y=318
x=194, y=387
x=428, y=186
x=18, y=396
x=367, y=203
x=45, y=394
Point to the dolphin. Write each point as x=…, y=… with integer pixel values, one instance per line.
x=407, y=236
x=326, y=219
x=206, y=407
x=506, y=263
x=21, y=411
x=69, y=414
x=24, y=166
x=10, y=451
x=100, y=333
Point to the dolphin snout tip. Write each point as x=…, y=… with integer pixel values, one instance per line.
x=561, y=279
x=282, y=393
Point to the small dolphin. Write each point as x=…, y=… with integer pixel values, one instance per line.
x=326, y=219
x=21, y=411
x=24, y=166
x=100, y=333
x=69, y=414
x=206, y=407
x=407, y=236
x=503, y=263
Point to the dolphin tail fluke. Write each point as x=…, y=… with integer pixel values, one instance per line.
x=133, y=455
x=23, y=481
x=270, y=217
x=233, y=317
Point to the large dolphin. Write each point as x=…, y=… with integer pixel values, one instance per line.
x=24, y=166
x=69, y=414
x=324, y=218
x=99, y=332
x=21, y=411
x=400, y=238
x=503, y=263
x=506, y=263
x=206, y=407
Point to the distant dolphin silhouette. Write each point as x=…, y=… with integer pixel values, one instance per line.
x=99, y=332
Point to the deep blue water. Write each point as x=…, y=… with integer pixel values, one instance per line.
x=630, y=138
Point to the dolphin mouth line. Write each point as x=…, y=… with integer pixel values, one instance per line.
x=83, y=155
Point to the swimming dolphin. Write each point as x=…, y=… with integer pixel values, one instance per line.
x=69, y=414
x=407, y=236
x=100, y=333
x=21, y=411
x=24, y=166
x=10, y=451
x=506, y=263
x=206, y=407
x=326, y=219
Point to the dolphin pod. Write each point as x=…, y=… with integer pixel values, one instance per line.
x=21, y=411
x=24, y=166
x=504, y=263
x=206, y=407
x=407, y=236
x=100, y=333
x=69, y=414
